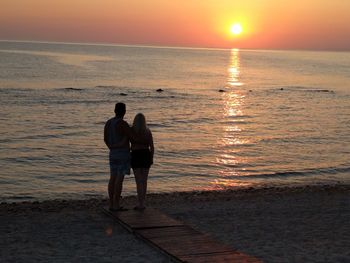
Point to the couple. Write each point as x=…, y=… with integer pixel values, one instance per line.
x=118, y=136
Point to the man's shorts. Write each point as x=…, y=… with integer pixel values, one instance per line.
x=119, y=161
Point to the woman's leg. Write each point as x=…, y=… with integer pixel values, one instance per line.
x=139, y=185
x=144, y=177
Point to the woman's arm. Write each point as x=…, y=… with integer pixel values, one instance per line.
x=151, y=145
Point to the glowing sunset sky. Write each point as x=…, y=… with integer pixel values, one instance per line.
x=298, y=24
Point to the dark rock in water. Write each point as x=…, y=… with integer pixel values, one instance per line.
x=282, y=88
x=72, y=89
x=172, y=96
x=221, y=90
x=123, y=94
x=159, y=90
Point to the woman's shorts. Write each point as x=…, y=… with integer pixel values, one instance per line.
x=119, y=161
x=141, y=158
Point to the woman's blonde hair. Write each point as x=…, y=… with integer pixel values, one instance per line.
x=139, y=125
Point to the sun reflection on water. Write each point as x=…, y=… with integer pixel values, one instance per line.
x=234, y=70
x=229, y=160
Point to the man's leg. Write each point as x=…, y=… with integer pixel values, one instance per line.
x=111, y=184
x=118, y=187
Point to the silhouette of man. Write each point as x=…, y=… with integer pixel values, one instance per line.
x=117, y=137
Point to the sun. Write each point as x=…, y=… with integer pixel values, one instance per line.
x=236, y=29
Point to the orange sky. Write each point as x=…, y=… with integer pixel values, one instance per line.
x=267, y=24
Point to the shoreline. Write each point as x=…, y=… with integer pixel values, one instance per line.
x=203, y=195
x=284, y=224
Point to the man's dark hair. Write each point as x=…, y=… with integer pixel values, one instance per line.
x=120, y=109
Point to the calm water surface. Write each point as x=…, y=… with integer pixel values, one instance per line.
x=283, y=117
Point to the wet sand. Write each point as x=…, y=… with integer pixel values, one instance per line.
x=301, y=224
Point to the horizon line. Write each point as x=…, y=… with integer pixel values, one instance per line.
x=168, y=47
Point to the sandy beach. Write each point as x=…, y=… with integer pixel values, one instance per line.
x=301, y=224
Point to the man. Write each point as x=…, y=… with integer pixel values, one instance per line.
x=117, y=136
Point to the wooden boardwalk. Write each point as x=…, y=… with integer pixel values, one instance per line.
x=181, y=242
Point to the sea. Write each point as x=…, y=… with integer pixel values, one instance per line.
x=221, y=118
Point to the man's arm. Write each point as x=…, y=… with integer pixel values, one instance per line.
x=128, y=131
x=105, y=134
x=125, y=129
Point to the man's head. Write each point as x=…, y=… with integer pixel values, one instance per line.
x=120, y=109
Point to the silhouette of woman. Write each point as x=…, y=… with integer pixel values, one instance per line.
x=142, y=151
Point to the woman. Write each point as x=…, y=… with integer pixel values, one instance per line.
x=142, y=151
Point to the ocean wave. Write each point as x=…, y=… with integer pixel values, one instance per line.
x=159, y=125
x=234, y=122
x=68, y=102
x=307, y=172
x=160, y=97
x=15, y=90
x=45, y=136
x=105, y=86
x=239, y=117
x=305, y=89
x=100, y=123
x=21, y=198
x=84, y=181
x=148, y=92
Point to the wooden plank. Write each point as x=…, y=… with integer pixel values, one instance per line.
x=113, y=215
x=148, y=218
x=189, y=245
x=174, y=238
x=235, y=257
x=183, y=240
x=183, y=230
